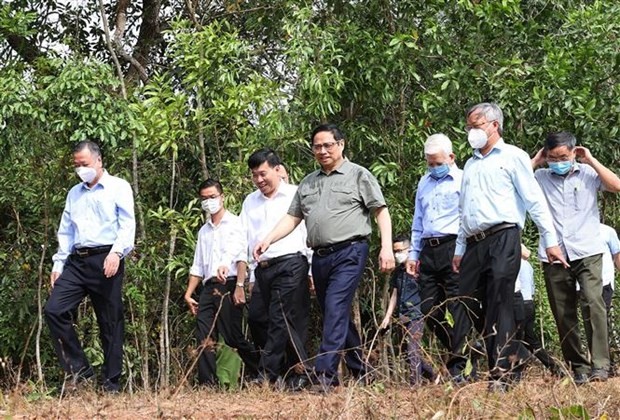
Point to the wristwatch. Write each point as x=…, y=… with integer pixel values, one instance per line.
x=240, y=284
x=120, y=254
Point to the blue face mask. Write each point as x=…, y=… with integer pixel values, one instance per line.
x=561, y=168
x=440, y=171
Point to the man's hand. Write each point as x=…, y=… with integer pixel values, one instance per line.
x=260, y=249
x=539, y=159
x=555, y=256
x=222, y=273
x=385, y=323
x=456, y=263
x=413, y=267
x=311, y=286
x=239, y=296
x=584, y=155
x=386, y=259
x=193, y=305
x=53, y=277
x=111, y=264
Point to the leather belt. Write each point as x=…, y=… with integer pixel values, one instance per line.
x=436, y=241
x=323, y=251
x=276, y=260
x=87, y=252
x=490, y=231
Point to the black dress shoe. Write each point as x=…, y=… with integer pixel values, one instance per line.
x=297, y=383
x=580, y=378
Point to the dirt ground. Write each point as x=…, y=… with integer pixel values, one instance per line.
x=532, y=398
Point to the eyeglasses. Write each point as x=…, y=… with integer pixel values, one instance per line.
x=328, y=146
x=468, y=128
x=204, y=197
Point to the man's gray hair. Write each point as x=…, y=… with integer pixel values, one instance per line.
x=437, y=143
x=90, y=145
x=491, y=111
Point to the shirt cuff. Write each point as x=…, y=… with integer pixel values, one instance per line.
x=459, y=250
x=58, y=267
x=549, y=239
x=414, y=255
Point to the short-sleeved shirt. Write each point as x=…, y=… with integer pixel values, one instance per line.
x=337, y=206
x=612, y=247
x=573, y=203
x=407, y=292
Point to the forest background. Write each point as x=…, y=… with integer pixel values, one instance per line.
x=176, y=91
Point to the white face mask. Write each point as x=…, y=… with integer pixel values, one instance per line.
x=400, y=257
x=211, y=205
x=477, y=138
x=86, y=174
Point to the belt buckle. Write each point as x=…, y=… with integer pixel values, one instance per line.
x=264, y=264
x=479, y=236
x=81, y=253
x=321, y=252
x=433, y=241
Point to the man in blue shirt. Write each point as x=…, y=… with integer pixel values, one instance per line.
x=96, y=233
x=498, y=188
x=571, y=189
x=433, y=235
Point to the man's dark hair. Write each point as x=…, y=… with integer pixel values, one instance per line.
x=400, y=238
x=90, y=145
x=332, y=128
x=261, y=156
x=210, y=183
x=559, y=139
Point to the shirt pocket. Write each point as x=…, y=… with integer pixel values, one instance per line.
x=341, y=196
x=309, y=199
x=449, y=200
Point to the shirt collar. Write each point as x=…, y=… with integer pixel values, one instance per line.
x=344, y=167
x=225, y=219
x=279, y=191
x=103, y=181
x=499, y=146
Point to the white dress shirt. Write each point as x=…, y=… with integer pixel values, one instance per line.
x=260, y=214
x=219, y=245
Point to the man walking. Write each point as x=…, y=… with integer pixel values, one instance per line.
x=219, y=264
x=95, y=235
x=336, y=202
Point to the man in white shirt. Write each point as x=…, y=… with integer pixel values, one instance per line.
x=219, y=263
x=281, y=273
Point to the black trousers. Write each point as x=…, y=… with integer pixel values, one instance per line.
x=280, y=284
x=84, y=276
x=258, y=321
x=525, y=317
x=217, y=315
x=488, y=274
x=439, y=286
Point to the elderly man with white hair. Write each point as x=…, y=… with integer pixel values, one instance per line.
x=433, y=235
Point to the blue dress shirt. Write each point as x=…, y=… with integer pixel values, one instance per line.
x=97, y=216
x=436, y=210
x=500, y=187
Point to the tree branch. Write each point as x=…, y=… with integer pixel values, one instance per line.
x=23, y=46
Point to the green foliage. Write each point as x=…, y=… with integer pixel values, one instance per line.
x=263, y=74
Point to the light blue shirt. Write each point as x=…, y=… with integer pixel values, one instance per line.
x=525, y=281
x=500, y=187
x=612, y=247
x=97, y=216
x=573, y=203
x=436, y=209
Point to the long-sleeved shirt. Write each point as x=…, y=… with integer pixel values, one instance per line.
x=97, y=216
x=260, y=214
x=573, y=203
x=525, y=281
x=500, y=187
x=436, y=210
x=219, y=245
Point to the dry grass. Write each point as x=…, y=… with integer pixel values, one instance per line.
x=535, y=397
